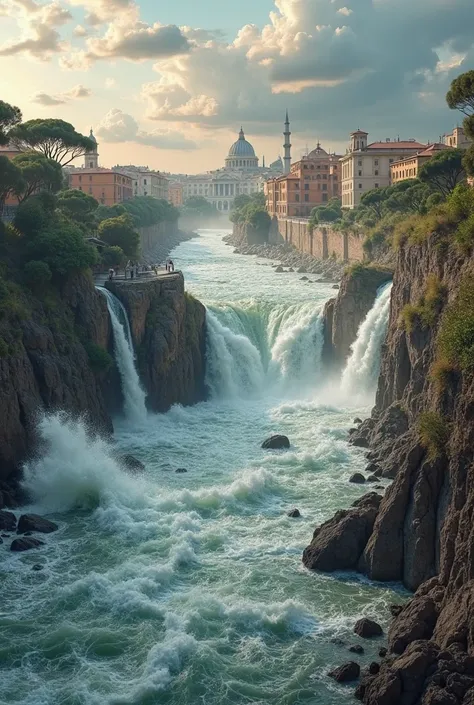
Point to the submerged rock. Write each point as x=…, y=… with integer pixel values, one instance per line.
x=133, y=464
x=346, y=673
x=37, y=567
x=356, y=649
x=24, y=544
x=357, y=478
x=33, y=522
x=294, y=513
x=276, y=443
x=181, y=471
x=367, y=628
x=7, y=521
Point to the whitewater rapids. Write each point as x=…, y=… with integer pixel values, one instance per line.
x=189, y=588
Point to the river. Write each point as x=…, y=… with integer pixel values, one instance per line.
x=188, y=588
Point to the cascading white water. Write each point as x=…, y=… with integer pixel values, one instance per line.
x=255, y=348
x=134, y=395
x=363, y=366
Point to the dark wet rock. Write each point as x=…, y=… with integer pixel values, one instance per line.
x=37, y=567
x=28, y=533
x=7, y=521
x=294, y=513
x=33, y=522
x=374, y=469
x=367, y=628
x=379, y=487
x=458, y=684
x=356, y=649
x=372, y=478
x=276, y=443
x=361, y=689
x=383, y=652
x=132, y=464
x=357, y=479
x=339, y=542
x=374, y=668
x=357, y=421
x=434, y=695
x=304, y=279
x=346, y=673
x=302, y=270
x=360, y=442
x=336, y=286
x=25, y=544
x=279, y=269
x=395, y=610
x=416, y=621
x=181, y=471
x=338, y=642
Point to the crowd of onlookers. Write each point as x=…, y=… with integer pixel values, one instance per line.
x=133, y=269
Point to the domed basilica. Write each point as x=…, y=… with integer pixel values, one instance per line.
x=241, y=174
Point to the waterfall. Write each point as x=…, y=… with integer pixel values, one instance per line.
x=363, y=366
x=255, y=348
x=134, y=396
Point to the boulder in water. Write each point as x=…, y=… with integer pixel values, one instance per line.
x=346, y=673
x=25, y=544
x=302, y=270
x=279, y=269
x=357, y=649
x=372, y=478
x=7, y=521
x=367, y=628
x=33, y=522
x=132, y=464
x=181, y=471
x=37, y=567
x=276, y=443
x=357, y=421
x=357, y=479
x=294, y=513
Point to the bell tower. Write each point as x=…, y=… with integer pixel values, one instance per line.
x=91, y=159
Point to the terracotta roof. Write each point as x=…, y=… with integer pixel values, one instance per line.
x=99, y=170
x=436, y=147
x=396, y=145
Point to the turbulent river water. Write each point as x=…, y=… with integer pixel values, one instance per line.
x=188, y=589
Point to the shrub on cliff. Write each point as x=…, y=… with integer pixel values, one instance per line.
x=456, y=335
x=37, y=275
x=112, y=257
x=433, y=433
x=428, y=308
x=61, y=245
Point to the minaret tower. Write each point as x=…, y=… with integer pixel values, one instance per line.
x=91, y=159
x=287, y=145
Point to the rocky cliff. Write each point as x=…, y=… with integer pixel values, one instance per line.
x=344, y=314
x=421, y=434
x=168, y=329
x=47, y=362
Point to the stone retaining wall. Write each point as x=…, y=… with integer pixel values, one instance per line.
x=321, y=242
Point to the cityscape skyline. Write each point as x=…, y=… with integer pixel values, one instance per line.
x=160, y=90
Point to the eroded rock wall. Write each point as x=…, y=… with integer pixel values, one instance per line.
x=168, y=329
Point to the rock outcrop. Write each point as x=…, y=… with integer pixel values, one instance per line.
x=344, y=314
x=45, y=365
x=169, y=334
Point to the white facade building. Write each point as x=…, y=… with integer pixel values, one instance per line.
x=367, y=166
x=240, y=175
x=146, y=182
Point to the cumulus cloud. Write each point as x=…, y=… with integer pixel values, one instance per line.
x=40, y=38
x=139, y=42
x=75, y=93
x=167, y=100
x=118, y=126
x=80, y=31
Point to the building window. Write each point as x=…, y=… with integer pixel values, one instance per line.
x=325, y=197
x=80, y=178
x=376, y=185
x=325, y=187
x=376, y=162
x=306, y=197
x=376, y=172
x=360, y=185
x=144, y=181
x=359, y=163
x=306, y=187
x=360, y=173
x=297, y=197
x=90, y=177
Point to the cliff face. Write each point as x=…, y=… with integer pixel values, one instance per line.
x=246, y=233
x=45, y=366
x=344, y=314
x=421, y=433
x=168, y=329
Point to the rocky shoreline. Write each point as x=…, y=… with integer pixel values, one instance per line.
x=328, y=271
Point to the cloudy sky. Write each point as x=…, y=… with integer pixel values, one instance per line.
x=168, y=83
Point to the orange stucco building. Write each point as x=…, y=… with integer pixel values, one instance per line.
x=106, y=186
x=409, y=167
x=312, y=181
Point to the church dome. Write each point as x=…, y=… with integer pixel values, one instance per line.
x=241, y=148
x=92, y=137
x=318, y=152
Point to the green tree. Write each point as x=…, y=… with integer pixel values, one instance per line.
x=444, y=171
x=106, y=212
x=120, y=232
x=56, y=139
x=241, y=201
x=11, y=180
x=112, y=257
x=461, y=97
x=61, y=245
x=37, y=274
x=79, y=207
x=199, y=205
x=38, y=174
x=374, y=201
x=9, y=117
